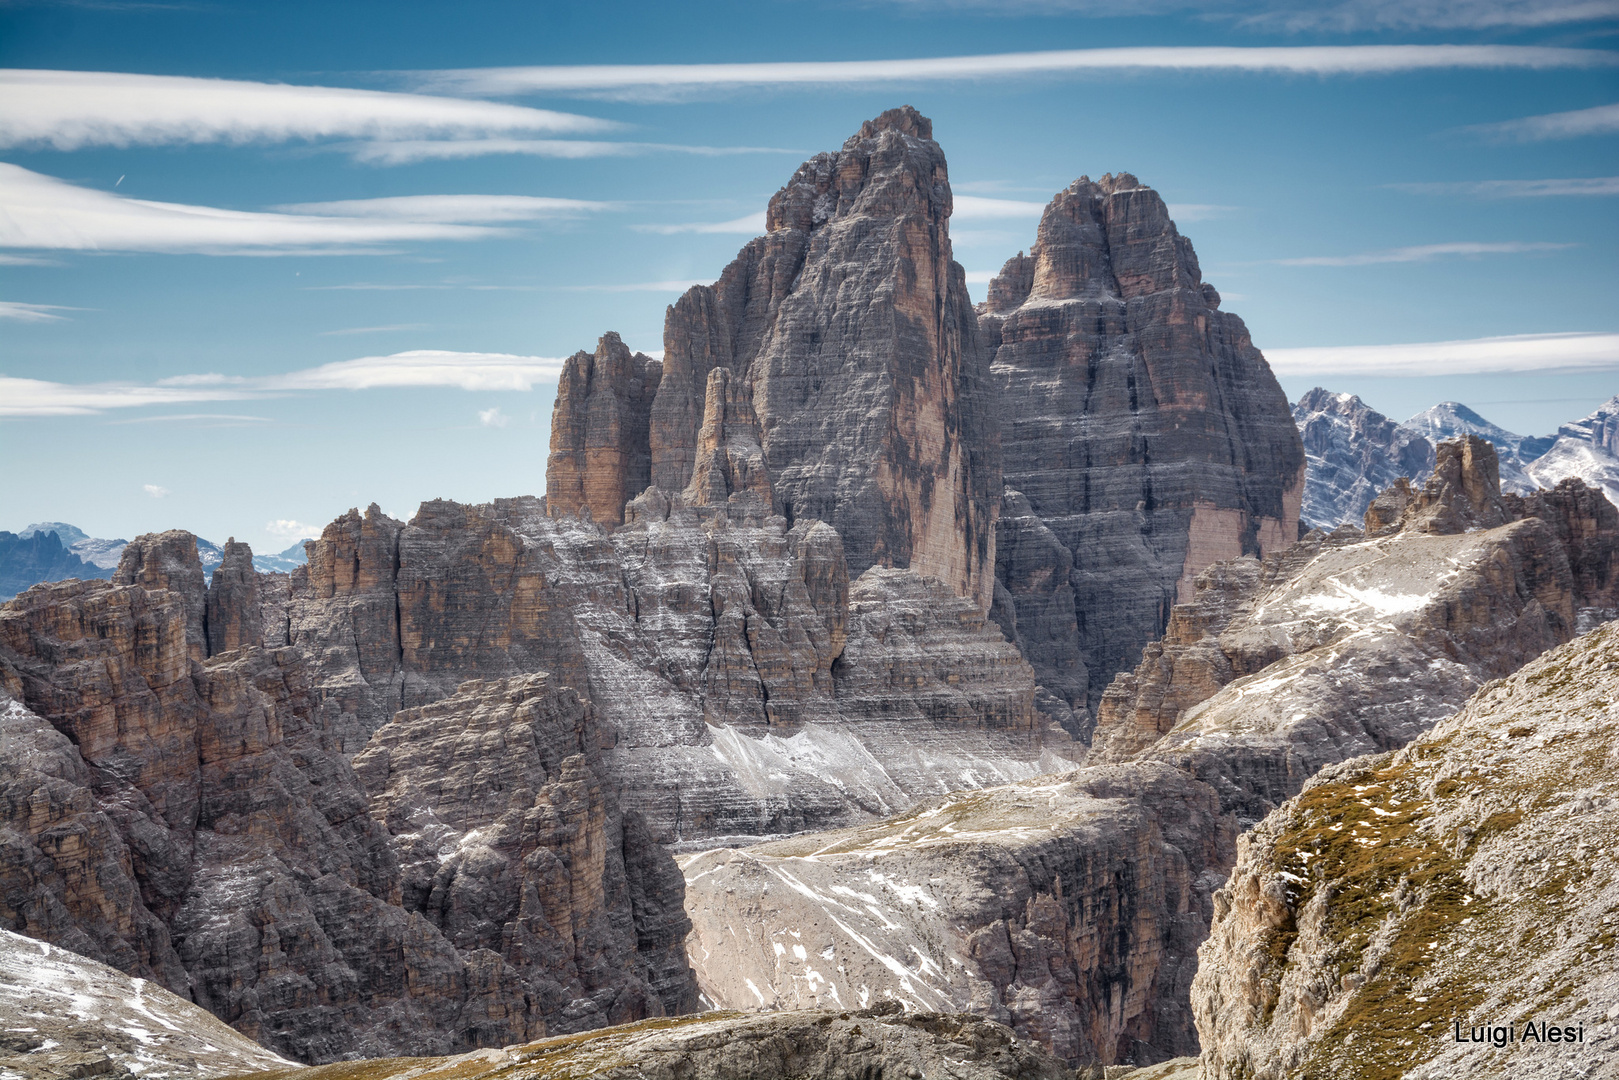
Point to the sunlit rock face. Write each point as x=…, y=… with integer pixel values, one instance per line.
x=1405, y=910
x=1138, y=421
x=1353, y=453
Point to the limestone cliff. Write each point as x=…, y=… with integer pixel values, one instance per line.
x=754, y=689
x=1353, y=642
x=1068, y=907
x=188, y=821
x=599, y=451
x=1404, y=910
x=1139, y=422
x=847, y=332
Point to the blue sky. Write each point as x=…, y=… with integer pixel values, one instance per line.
x=242, y=306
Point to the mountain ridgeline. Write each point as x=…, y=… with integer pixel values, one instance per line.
x=760, y=704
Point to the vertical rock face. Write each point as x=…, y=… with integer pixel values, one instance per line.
x=1353, y=452
x=169, y=561
x=1034, y=572
x=235, y=617
x=1138, y=420
x=1405, y=901
x=852, y=330
x=189, y=821
x=600, y=456
x=1069, y=908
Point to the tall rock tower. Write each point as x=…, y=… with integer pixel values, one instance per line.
x=1142, y=428
x=851, y=327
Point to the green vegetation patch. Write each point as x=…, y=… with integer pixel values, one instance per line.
x=1360, y=839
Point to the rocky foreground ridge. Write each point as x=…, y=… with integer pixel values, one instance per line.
x=1466, y=884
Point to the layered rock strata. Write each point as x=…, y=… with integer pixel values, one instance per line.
x=1068, y=908
x=187, y=821
x=600, y=456
x=1140, y=423
x=63, y=1015
x=848, y=333
x=1354, y=642
x=823, y=1044
x=1404, y=910
x=754, y=688
x=1353, y=453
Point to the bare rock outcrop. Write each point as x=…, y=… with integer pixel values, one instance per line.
x=750, y=684
x=1139, y=421
x=1405, y=911
x=64, y=1016
x=189, y=822
x=850, y=328
x=234, y=613
x=1354, y=643
x=1353, y=453
x=1068, y=907
x=600, y=457
x=821, y=1044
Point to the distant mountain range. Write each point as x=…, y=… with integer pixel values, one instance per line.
x=1355, y=452
x=56, y=551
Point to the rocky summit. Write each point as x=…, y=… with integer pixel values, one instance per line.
x=1142, y=430
x=1352, y=642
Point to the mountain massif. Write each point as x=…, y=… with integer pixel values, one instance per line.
x=868, y=655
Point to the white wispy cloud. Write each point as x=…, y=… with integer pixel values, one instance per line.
x=659, y=81
x=452, y=209
x=1199, y=211
x=156, y=491
x=1346, y=15
x=289, y=529
x=675, y=285
x=1422, y=253
x=1517, y=189
x=1476, y=356
x=1600, y=120
x=746, y=225
x=406, y=151
x=493, y=418
x=970, y=208
x=17, y=311
x=42, y=212
x=420, y=368
x=980, y=277
x=373, y=329
x=68, y=110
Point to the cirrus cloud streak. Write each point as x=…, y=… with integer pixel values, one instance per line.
x=662, y=81
x=1476, y=356
x=418, y=369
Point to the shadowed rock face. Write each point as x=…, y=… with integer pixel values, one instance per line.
x=1467, y=879
x=1354, y=642
x=1139, y=421
x=188, y=821
x=599, y=454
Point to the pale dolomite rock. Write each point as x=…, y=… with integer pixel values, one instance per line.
x=1068, y=907
x=1469, y=879
x=64, y=1015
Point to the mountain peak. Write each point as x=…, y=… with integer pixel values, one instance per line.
x=905, y=120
